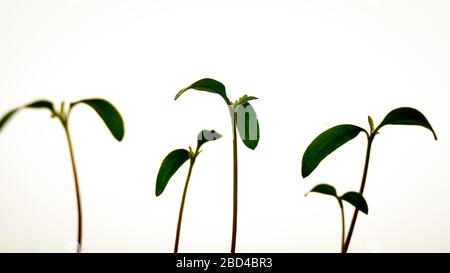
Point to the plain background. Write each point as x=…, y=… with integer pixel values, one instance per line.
x=312, y=64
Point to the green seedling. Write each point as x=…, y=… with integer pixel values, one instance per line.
x=107, y=112
x=244, y=120
x=353, y=198
x=335, y=137
x=173, y=161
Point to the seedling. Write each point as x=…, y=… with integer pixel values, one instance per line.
x=353, y=198
x=173, y=161
x=107, y=112
x=243, y=119
x=335, y=137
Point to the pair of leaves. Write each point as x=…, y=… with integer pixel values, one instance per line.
x=107, y=112
x=246, y=122
x=175, y=159
x=244, y=99
x=333, y=138
x=353, y=198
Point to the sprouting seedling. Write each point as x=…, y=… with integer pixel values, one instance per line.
x=243, y=119
x=353, y=198
x=107, y=112
x=173, y=161
x=335, y=137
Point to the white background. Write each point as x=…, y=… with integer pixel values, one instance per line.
x=312, y=64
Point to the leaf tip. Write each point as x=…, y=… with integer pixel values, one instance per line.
x=305, y=171
x=252, y=147
x=179, y=94
x=120, y=137
x=434, y=135
x=157, y=193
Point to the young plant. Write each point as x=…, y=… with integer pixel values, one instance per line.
x=244, y=120
x=107, y=112
x=335, y=137
x=173, y=162
x=353, y=198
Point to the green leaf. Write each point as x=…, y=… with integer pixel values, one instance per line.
x=324, y=189
x=169, y=167
x=406, y=116
x=35, y=105
x=208, y=85
x=371, y=124
x=242, y=100
x=7, y=117
x=109, y=114
x=326, y=143
x=248, y=125
x=41, y=104
x=207, y=135
x=357, y=200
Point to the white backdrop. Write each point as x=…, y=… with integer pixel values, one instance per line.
x=312, y=64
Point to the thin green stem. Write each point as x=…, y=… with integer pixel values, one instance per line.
x=183, y=199
x=343, y=226
x=77, y=188
x=235, y=186
x=361, y=190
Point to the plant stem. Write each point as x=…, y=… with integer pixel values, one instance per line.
x=343, y=226
x=235, y=186
x=361, y=190
x=183, y=199
x=77, y=188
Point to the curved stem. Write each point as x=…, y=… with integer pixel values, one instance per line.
x=77, y=188
x=235, y=186
x=361, y=190
x=183, y=199
x=343, y=226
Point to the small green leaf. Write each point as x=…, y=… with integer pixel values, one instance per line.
x=326, y=143
x=109, y=114
x=248, y=125
x=406, y=116
x=208, y=85
x=207, y=135
x=357, y=200
x=169, y=167
x=35, y=105
x=41, y=104
x=242, y=100
x=324, y=189
x=372, y=126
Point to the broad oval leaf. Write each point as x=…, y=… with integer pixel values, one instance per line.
x=109, y=114
x=326, y=143
x=324, y=189
x=208, y=85
x=35, y=104
x=169, y=167
x=357, y=200
x=406, y=116
x=248, y=125
x=207, y=135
